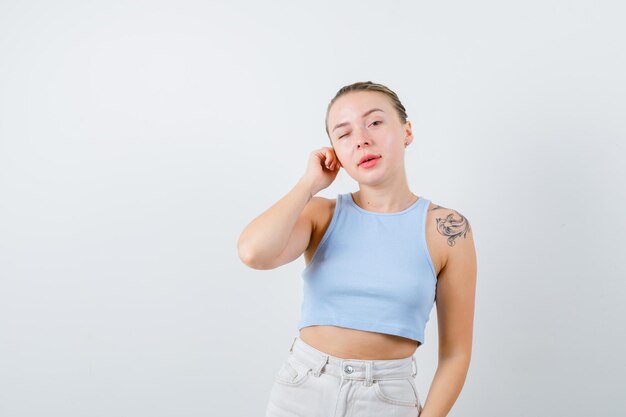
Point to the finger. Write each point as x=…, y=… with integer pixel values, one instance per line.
x=330, y=160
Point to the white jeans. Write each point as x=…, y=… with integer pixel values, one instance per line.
x=311, y=383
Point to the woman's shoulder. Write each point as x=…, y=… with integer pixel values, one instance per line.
x=319, y=201
x=448, y=231
x=449, y=221
x=323, y=202
x=323, y=209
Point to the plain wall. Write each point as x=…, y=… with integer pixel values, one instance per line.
x=138, y=139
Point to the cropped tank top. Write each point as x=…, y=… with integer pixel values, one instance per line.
x=371, y=271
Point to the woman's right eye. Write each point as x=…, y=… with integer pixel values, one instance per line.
x=342, y=136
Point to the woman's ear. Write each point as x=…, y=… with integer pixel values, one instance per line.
x=408, y=133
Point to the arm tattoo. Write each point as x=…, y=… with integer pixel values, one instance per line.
x=451, y=227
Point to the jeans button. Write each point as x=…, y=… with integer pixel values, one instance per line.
x=349, y=369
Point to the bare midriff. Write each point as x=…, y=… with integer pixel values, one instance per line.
x=357, y=344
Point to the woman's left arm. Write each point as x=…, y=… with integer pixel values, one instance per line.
x=456, y=287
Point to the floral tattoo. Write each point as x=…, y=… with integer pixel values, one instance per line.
x=451, y=227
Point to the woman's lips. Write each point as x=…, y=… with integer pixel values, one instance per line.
x=370, y=163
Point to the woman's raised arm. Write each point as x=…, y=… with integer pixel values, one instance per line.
x=282, y=232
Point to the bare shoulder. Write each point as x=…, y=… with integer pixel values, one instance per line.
x=321, y=210
x=448, y=232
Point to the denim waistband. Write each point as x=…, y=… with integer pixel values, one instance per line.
x=358, y=369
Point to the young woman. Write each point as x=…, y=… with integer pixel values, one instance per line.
x=376, y=262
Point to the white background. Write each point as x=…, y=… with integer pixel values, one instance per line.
x=137, y=139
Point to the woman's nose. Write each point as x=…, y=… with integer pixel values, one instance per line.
x=362, y=137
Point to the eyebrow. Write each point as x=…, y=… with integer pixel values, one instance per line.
x=364, y=114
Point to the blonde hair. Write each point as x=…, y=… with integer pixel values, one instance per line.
x=368, y=86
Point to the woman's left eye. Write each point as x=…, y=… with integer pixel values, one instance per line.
x=376, y=121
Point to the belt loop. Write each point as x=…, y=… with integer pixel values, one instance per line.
x=368, y=373
x=413, y=366
x=292, y=343
x=318, y=369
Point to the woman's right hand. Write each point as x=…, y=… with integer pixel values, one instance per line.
x=322, y=169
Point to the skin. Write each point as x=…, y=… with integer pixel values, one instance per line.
x=449, y=236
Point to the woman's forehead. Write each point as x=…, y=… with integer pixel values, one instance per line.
x=355, y=104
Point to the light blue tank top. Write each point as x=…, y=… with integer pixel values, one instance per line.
x=371, y=271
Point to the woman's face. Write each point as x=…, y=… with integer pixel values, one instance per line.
x=356, y=129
